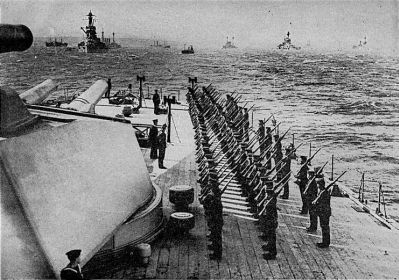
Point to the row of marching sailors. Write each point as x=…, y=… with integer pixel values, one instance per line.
x=210, y=195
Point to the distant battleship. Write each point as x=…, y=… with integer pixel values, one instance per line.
x=189, y=50
x=107, y=41
x=91, y=44
x=156, y=44
x=229, y=44
x=56, y=43
x=287, y=44
x=361, y=44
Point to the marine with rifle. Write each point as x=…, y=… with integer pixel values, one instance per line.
x=302, y=180
x=269, y=222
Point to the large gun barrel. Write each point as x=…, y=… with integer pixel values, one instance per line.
x=15, y=38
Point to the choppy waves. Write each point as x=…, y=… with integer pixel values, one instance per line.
x=346, y=104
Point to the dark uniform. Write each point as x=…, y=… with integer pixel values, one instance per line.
x=285, y=170
x=323, y=210
x=270, y=223
x=214, y=214
x=302, y=181
x=156, y=99
x=311, y=195
x=108, y=93
x=162, y=147
x=153, y=139
x=72, y=271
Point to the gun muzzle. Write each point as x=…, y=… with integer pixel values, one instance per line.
x=15, y=38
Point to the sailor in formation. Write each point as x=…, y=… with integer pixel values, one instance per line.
x=153, y=139
x=269, y=222
x=302, y=180
x=214, y=215
x=310, y=196
x=72, y=271
x=323, y=210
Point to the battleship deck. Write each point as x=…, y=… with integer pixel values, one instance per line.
x=360, y=246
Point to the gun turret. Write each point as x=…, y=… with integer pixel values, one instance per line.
x=15, y=38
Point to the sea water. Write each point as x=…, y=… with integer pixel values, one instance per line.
x=345, y=103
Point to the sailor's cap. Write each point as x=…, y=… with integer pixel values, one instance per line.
x=261, y=121
x=304, y=158
x=155, y=120
x=73, y=254
x=311, y=170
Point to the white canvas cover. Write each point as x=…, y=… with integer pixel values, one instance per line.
x=76, y=184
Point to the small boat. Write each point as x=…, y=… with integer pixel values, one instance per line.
x=56, y=43
x=189, y=50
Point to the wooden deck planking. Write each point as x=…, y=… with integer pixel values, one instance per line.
x=350, y=255
x=248, y=250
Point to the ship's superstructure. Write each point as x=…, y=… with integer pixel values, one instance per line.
x=362, y=44
x=287, y=44
x=91, y=44
x=229, y=44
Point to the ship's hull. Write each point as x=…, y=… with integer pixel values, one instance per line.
x=92, y=48
x=56, y=44
x=187, y=52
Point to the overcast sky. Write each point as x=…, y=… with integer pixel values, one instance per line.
x=322, y=23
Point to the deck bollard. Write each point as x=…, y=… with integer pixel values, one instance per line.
x=181, y=196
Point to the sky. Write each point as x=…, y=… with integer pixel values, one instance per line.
x=320, y=23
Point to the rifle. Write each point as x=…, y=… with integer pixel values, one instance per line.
x=276, y=193
x=314, y=177
x=268, y=118
x=286, y=156
x=278, y=141
x=326, y=189
x=309, y=159
x=224, y=177
x=227, y=184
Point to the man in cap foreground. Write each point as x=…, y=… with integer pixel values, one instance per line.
x=162, y=147
x=153, y=139
x=72, y=271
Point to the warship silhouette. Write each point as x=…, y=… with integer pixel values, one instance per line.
x=91, y=44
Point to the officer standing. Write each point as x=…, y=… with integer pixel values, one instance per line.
x=302, y=181
x=108, y=93
x=310, y=196
x=72, y=271
x=270, y=223
x=162, y=147
x=153, y=139
x=323, y=211
x=156, y=99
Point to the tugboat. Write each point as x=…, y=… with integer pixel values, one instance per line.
x=189, y=50
x=229, y=44
x=56, y=43
x=91, y=44
x=287, y=44
x=361, y=44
